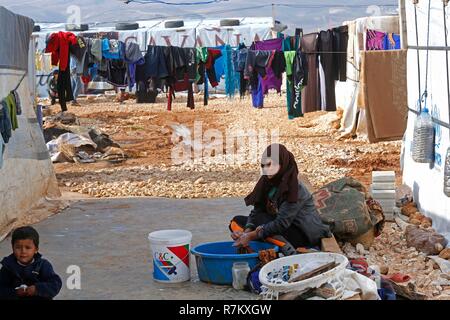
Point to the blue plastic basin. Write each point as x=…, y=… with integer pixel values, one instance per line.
x=215, y=260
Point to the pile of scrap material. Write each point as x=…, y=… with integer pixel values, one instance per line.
x=67, y=141
x=410, y=255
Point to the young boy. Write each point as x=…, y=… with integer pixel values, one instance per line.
x=52, y=86
x=24, y=274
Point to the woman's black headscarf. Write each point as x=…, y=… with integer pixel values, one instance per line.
x=286, y=180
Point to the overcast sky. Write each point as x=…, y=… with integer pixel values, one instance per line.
x=308, y=14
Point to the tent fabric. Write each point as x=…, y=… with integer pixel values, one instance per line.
x=383, y=94
x=15, y=31
x=427, y=180
x=27, y=176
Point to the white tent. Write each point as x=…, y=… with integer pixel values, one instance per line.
x=193, y=33
x=425, y=180
x=207, y=33
x=26, y=175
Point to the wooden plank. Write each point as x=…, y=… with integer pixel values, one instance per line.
x=315, y=272
x=330, y=245
x=407, y=291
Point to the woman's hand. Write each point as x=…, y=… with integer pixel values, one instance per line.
x=236, y=235
x=244, y=239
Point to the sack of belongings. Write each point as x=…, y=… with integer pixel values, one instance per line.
x=351, y=213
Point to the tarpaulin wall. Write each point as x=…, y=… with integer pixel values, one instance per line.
x=27, y=173
x=425, y=180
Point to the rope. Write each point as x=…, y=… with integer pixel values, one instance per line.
x=20, y=82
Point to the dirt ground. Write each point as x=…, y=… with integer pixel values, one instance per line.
x=144, y=131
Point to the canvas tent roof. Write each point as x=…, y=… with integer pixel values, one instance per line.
x=15, y=31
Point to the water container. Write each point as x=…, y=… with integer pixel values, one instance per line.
x=423, y=140
x=240, y=273
x=447, y=174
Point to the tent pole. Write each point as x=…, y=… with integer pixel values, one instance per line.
x=403, y=24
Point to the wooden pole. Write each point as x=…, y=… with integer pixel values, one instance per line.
x=403, y=24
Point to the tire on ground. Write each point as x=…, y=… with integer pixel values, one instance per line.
x=174, y=24
x=127, y=26
x=77, y=27
x=229, y=22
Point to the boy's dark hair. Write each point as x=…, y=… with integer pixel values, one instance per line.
x=25, y=233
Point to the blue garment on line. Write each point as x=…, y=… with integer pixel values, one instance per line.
x=219, y=64
x=109, y=51
x=257, y=95
x=389, y=45
x=232, y=78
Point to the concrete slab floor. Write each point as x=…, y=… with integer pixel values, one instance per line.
x=107, y=239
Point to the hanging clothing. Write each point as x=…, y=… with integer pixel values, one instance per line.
x=133, y=57
x=183, y=72
x=327, y=61
x=287, y=44
x=112, y=49
x=272, y=81
x=12, y=108
x=219, y=65
x=96, y=54
x=5, y=122
x=392, y=42
x=256, y=63
x=155, y=64
x=64, y=86
x=2, y=149
x=374, y=40
x=299, y=79
x=289, y=58
x=80, y=53
x=340, y=45
x=231, y=76
x=118, y=72
x=258, y=94
x=17, y=101
x=255, y=71
x=213, y=55
x=239, y=60
x=58, y=45
x=323, y=88
x=311, y=93
x=192, y=63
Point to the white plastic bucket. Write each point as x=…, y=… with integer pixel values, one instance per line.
x=171, y=255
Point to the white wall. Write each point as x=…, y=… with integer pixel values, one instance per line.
x=427, y=182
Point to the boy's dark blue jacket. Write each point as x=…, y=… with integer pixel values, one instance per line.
x=40, y=274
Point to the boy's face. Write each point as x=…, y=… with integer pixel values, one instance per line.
x=24, y=250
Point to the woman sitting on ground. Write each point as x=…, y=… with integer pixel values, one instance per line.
x=284, y=209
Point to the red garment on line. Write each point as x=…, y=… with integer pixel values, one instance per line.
x=58, y=45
